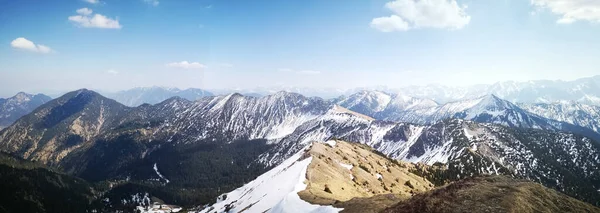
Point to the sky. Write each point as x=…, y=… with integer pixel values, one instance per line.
x=111, y=45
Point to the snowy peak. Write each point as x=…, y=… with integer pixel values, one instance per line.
x=382, y=105
x=366, y=102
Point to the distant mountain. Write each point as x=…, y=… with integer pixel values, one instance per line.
x=485, y=109
x=583, y=90
x=21, y=104
x=379, y=104
x=568, y=111
x=154, y=95
x=325, y=93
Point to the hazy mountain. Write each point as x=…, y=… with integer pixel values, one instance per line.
x=583, y=90
x=21, y=104
x=325, y=93
x=154, y=95
x=380, y=104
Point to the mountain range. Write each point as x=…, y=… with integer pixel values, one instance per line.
x=188, y=152
x=153, y=95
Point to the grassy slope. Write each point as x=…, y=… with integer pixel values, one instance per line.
x=492, y=194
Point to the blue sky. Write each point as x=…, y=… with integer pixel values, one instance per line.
x=119, y=44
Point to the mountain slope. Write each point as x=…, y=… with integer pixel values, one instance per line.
x=60, y=126
x=98, y=139
x=19, y=105
x=325, y=173
x=467, y=148
x=583, y=115
x=29, y=187
x=492, y=194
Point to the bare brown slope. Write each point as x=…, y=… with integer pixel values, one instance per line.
x=492, y=194
x=330, y=180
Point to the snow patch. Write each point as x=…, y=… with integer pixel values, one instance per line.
x=274, y=191
x=331, y=143
x=158, y=173
x=347, y=166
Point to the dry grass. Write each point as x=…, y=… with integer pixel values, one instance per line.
x=326, y=171
x=492, y=194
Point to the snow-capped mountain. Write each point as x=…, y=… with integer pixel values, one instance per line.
x=568, y=111
x=379, y=104
x=583, y=90
x=21, y=104
x=485, y=109
x=99, y=139
x=154, y=95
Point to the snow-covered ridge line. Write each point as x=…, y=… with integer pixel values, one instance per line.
x=274, y=191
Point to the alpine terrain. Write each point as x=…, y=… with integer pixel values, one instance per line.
x=189, y=152
x=21, y=104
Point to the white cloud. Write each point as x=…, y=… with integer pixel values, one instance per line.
x=409, y=14
x=152, y=2
x=389, y=24
x=572, y=10
x=24, y=44
x=186, y=65
x=92, y=1
x=87, y=20
x=84, y=11
x=112, y=71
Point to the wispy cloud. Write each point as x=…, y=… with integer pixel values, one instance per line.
x=571, y=10
x=92, y=1
x=112, y=71
x=24, y=44
x=152, y=2
x=225, y=65
x=87, y=20
x=414, y=14
x=309, y=72
x=209, y=6
x=186, y=65
x=301, y=72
